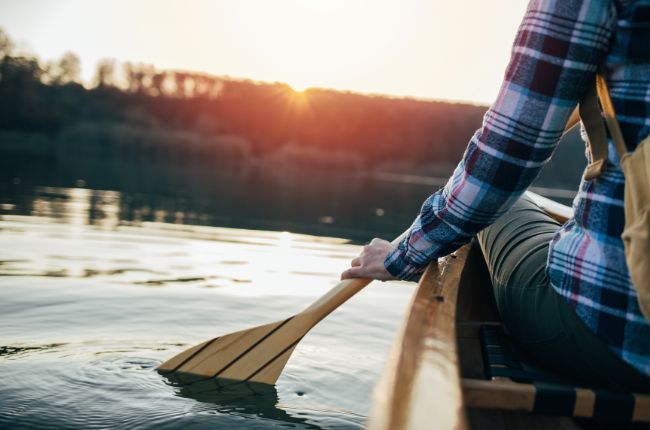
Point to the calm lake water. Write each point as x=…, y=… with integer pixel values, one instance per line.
x=106, y=270
x=91, y=303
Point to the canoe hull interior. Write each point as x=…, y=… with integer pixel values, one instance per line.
x=438, y=350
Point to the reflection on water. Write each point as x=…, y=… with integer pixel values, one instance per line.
x=78, y=206
x=324, y=204
x=16, y=351
x=91, y=302
x=245, y=397
x=321, y=203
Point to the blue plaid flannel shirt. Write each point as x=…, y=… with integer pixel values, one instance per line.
x=558, y=48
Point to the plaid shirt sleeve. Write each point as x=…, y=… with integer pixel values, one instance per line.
x=556, y=53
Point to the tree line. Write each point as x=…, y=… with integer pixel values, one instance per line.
x=138, y=104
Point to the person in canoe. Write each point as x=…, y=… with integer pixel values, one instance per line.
x=564, y=292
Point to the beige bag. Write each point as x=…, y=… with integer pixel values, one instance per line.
x=636, y=168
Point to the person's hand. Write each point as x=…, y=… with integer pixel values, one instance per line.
x=370, y=263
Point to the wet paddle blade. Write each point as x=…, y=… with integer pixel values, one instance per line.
x=257, y=355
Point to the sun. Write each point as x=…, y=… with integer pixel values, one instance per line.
x=299, y=98
x=299, y=87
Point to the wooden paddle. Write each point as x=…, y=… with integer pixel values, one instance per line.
x=260, y=353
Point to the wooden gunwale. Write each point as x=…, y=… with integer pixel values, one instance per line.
x=423, y=363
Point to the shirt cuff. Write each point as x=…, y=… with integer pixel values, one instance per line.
x=398, y=266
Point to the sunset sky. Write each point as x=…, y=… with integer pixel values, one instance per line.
x=432, y=49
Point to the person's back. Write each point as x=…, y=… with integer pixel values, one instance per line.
x=587, y=260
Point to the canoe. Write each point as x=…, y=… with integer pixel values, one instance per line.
x=436, y=375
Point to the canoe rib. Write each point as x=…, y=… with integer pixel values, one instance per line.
x=420, y=386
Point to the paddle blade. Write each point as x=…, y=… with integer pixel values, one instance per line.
x=257, y=355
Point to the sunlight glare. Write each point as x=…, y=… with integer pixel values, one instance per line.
x=299, y=87
x=299, y=100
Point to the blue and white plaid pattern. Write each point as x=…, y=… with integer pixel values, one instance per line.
x=559, y=46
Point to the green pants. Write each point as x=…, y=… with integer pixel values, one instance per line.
x=515, y=248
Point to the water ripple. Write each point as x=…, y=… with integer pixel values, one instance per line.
x=136, y=396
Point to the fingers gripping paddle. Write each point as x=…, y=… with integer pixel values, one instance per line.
x=259, y=354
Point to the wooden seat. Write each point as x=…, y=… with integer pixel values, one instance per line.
x=514, y=382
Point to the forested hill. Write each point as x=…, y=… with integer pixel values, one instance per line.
x=133, y=108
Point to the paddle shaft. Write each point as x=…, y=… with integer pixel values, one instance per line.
x=335, y=297
x=341, y=293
